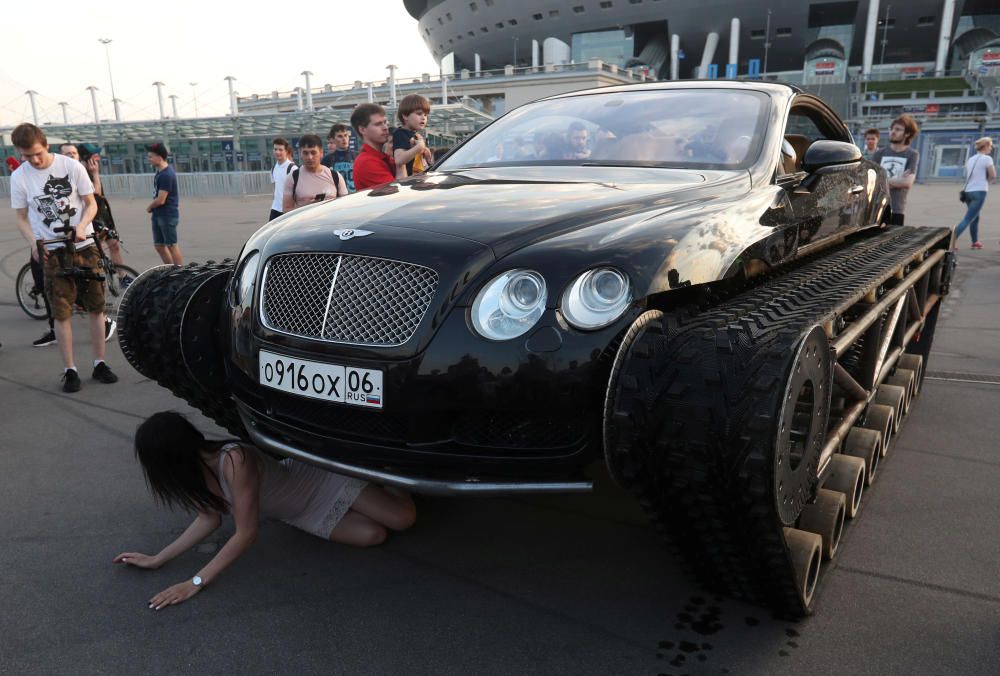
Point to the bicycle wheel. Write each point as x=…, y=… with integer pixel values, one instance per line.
x=31, y=300
x=114, y=290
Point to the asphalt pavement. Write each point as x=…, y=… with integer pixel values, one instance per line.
x=552, y=585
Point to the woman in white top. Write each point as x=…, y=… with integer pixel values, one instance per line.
x=213, y=478
x=979, y=171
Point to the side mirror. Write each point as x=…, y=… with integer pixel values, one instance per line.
x=831, y=156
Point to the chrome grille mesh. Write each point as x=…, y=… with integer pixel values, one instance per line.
x=373, y=301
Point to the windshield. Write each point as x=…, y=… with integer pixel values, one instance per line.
x=689, y=128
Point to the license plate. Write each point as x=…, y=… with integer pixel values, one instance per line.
x=321, y=380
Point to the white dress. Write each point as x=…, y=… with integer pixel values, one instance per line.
x=301, y=495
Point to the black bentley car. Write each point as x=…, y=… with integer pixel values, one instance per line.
x=455, y=331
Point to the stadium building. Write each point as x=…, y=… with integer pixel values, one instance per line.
x=938, y=60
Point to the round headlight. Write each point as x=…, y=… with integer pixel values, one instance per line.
x=509, y=305
x=245, y=278
x=596, y=298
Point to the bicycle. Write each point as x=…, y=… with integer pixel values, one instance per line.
x=116, y=279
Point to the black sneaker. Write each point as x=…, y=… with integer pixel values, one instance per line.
x=104, y=374
x=109, y=329
x=71, y=381
x=49, y=338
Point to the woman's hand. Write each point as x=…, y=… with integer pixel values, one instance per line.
x=138, y=560
x=178, y=593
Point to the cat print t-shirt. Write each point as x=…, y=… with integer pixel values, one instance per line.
x=53, y=197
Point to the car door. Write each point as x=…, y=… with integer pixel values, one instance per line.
x=831, y=203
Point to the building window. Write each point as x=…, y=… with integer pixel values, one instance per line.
x=634, y=2
x=607, y=4
x=440, y=21
x=472, y=34
x=484, y=29
x=578, y=9
x=511, y=22
x=447, y=15
x=473, y=6
x=882, y=23
x=499, y=24
x=553, y=13
x=489, y=3
x=925, y=21
x=783, y=32
x=536, y=17
x=427, y=31
x=757, y=34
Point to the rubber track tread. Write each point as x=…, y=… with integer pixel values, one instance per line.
x=693, y=411
x=150, y=331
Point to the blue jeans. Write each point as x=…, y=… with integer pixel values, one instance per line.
x=972, y=208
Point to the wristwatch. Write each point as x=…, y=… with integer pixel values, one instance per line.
x=196, y=580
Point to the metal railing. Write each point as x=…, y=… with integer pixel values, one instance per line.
x=464, y=75
x=235, y=183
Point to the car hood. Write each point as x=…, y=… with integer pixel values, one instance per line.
x=508, y=208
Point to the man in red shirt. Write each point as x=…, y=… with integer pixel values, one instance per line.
x=372, y=167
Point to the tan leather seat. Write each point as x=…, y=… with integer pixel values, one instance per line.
x=801, y=144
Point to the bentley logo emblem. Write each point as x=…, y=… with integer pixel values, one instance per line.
x=350, y=232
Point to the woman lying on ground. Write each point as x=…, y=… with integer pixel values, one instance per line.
x=217, y=477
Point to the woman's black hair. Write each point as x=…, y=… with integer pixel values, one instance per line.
x=169, y=449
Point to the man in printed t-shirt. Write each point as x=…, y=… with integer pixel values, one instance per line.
x=53, y=191
x=900, y=161
x=340, y=158
x=165, y=206
x=372, y=166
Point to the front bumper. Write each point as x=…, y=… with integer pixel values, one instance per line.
x=463, y=416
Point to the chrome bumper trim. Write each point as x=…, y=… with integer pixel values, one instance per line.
x=419, y=485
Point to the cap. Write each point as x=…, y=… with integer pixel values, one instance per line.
x=86, y=150
x=157, y=148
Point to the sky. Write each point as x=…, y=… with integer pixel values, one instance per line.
x=264, y=45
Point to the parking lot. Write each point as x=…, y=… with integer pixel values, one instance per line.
x=553, y=585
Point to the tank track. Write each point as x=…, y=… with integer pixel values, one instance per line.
x=167, y=332
x=695, y=399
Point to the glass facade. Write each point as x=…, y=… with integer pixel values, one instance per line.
x=614, y=46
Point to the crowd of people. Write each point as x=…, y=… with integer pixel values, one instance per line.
x=901, y=160
x=385, y=156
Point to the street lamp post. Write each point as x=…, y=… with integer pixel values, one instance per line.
x=885, y=36
x=111, y=80
x=194, y=92
x=767, y=40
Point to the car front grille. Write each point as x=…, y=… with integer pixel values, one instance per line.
x=340, y=298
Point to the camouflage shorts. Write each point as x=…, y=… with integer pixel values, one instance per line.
x=65, y=292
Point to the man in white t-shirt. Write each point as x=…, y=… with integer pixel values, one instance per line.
x=283, y=166
x=53, y=191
